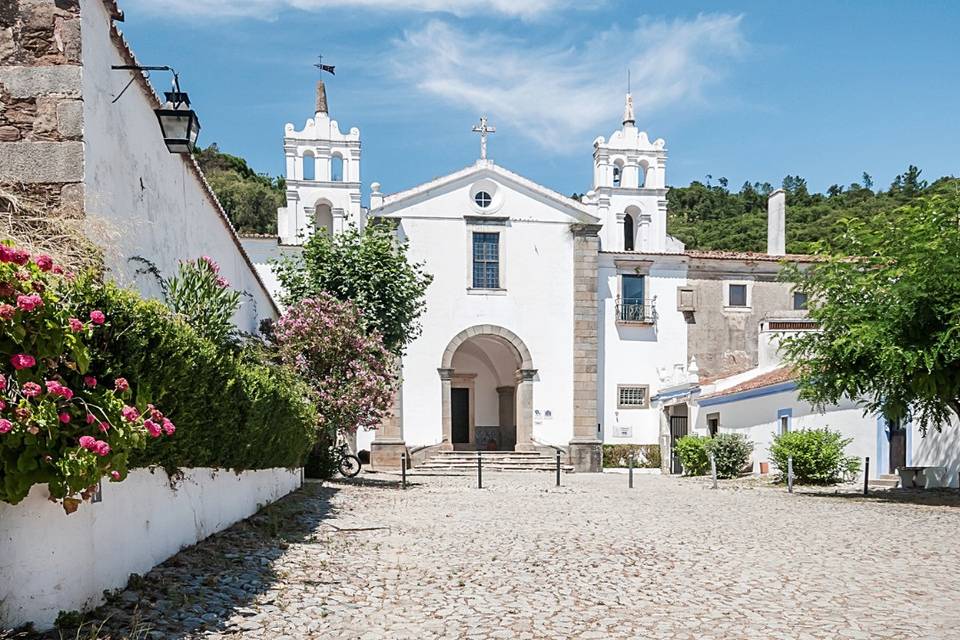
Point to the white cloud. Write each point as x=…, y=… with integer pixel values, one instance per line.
x=556, y=94
x=266, y=9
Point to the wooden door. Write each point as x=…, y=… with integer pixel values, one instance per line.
x=898, y=447
x=460, y=415
x=678, y=429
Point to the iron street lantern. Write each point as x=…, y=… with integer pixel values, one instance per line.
x=178, y=122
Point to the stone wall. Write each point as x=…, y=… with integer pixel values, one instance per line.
x=585, y=448
x=41, y=107
x=722, y=339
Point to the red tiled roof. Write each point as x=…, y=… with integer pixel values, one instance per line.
x=777, y=376
x=749, y=256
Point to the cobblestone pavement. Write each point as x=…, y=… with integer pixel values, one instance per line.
x=522, y=559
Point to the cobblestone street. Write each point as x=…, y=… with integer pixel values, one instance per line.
x=523, y=559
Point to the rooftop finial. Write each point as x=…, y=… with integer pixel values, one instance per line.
x=321, y=89
x=628, y=117
x=483, y=129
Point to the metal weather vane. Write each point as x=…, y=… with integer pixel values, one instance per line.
x=324, y=67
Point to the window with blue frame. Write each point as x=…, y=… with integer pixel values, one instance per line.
x=486, y=260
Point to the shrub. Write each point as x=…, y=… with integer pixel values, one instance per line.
x=692, y=451
x=232, y=410
x=645, y=455
x=204, y=299
x=731, y=451
x=59, y=423
x=818, y=456
x=351, y=372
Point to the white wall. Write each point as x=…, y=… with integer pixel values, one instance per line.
x=537, y=273
x=141, y=199
x=50, y=561
x=757, y=418
x=631, y=355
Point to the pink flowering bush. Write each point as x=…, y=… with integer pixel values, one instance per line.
x=351, y=372
x=58, y=424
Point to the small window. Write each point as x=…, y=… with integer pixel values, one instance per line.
x=617, y=175
x=799, y=301
x=737, y=295
x=482, y=199
x=784, y=424
x=486, y=260
x=627, y=232
x=713, y=424
x=633, y=396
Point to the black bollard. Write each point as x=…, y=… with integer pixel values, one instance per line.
x=866, y=475
x=558, y=467
x=403, y=470
x=630, y=472
x=479, y=470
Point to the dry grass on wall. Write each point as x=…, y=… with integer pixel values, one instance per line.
x=36, y=223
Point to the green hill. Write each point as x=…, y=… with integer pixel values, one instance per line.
x=249, y=198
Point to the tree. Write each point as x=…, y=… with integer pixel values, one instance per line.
x=250, y=199
x=350, y=370
x=370, y=269
x=890, y=318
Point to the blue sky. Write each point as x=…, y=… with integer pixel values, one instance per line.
x=749, y=90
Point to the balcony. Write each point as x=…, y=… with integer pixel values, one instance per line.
x=636, y=311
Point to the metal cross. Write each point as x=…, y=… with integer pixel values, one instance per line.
x=483, y=129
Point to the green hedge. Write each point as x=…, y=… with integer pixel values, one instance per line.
x=692, y=451
x=645, y=455
x=231, y=409
x=818, y=456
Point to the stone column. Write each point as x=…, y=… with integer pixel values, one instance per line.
x=388, y=444
x=585, y=447
x=446, y=411
x=525, y=410
x=508, y=416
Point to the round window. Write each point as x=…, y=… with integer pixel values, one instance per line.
x=482, y=199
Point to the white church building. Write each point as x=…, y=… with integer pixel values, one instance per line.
x=550, y=321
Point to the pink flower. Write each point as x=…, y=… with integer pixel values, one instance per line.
x=30, y=302
x=130, y=414
x=44, y=262
x=20, y=256
x=152, y=428
x=22, y=361
x=75, y=325
x=103, y=426
x=3, y=405
x=23, y=413
x=88, y=442
x=90, y=419
x=101, y=448
x=7, y=311
x=115, y=475
x=57, y=269
x=90, y=381
x=6, y=253
x=5, y=426
x=168, y=427
x=33, y=429
x=222, y=282
x=3, y=382
x=64, y=417
x=211, y=263
x=97, y=317
x=57, y=389
x=121, y=384
x=31, y=389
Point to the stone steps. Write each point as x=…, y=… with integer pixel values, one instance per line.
x=465, y=462
x=885, y=481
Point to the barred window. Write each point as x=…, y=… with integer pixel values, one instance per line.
x=633, y=396
x=486, y=260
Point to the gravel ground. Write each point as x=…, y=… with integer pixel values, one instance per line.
x=523, y=559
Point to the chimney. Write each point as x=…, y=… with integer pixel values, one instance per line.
x=376, y=197
x=321, y=97
x=777, y=223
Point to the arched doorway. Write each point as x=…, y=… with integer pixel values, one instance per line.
x=487, y=377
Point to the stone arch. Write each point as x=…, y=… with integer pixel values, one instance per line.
x=526, y=360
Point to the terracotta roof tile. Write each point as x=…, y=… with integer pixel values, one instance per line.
x=777, y=376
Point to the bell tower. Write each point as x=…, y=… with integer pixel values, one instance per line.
x=323, y=177
x=629, y=189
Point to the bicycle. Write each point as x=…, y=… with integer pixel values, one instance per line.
x=347, y=463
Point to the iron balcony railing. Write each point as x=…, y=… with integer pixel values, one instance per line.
x=636, y=310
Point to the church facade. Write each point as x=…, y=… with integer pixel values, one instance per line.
x=551, y=321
